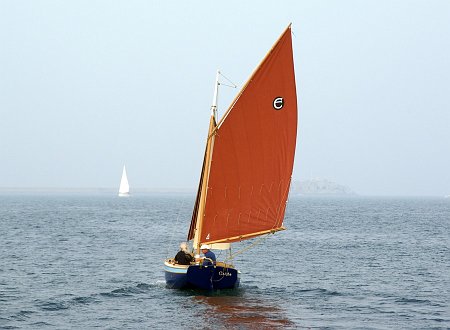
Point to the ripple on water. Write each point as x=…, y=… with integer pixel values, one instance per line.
x=52, y=305
x=22, y=315
x=356, y=263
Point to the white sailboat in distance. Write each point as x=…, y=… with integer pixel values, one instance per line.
x=124, y=188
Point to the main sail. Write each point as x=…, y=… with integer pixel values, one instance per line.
x=124, y=188
x=252, y=157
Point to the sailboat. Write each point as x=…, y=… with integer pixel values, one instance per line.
x=124, y=188
x=246, y=172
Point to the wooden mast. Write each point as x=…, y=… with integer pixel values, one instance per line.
x=209, y=149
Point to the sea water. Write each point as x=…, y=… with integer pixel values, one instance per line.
x=82, y=261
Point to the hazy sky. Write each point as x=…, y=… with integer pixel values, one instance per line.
x=86, y=86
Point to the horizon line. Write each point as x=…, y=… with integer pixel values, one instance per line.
x=182, y=190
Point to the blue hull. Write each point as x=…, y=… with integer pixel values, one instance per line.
x=202, y=277
x=175, y=280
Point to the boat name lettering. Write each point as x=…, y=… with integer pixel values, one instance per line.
x=222, y=273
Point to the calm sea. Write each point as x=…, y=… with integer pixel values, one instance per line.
x=81, y=261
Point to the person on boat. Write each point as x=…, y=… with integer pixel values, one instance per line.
x=209, y=255
x=183, y=257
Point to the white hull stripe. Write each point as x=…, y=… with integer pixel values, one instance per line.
x=175, y=270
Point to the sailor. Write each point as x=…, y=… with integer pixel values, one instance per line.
x=183, y=257
x=208, y=255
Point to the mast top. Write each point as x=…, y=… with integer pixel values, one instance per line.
x=215, y=97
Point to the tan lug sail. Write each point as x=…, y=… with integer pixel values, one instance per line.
x=249, y=156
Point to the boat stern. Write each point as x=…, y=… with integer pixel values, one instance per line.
x=176, y=275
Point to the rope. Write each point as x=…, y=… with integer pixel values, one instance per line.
x=219, y=83
x=258, y=241
x=171, y=239
x=233, y=85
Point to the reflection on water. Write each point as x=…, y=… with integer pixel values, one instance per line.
x=79, y=262
x=242, y=312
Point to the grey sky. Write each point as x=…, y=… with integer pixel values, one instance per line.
x=86, y=86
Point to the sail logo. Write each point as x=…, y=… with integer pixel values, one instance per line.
x=207, y=236
x=278, y=103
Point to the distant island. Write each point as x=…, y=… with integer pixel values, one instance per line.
x=320, y=187
x=311, y=187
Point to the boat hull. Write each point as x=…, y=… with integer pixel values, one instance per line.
x=201, y=277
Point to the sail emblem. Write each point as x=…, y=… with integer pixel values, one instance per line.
x=278, y=103
x=207, y=236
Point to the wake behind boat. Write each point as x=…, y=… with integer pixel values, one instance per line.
x=246, y=172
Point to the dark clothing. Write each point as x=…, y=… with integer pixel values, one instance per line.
x=211, y=256
x=183, y=258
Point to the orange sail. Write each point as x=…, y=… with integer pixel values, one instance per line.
x=252, y=156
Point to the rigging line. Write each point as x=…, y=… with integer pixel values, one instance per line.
x=233, y=85
x=171, y=239
x=220, y=83
x=260, y=240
